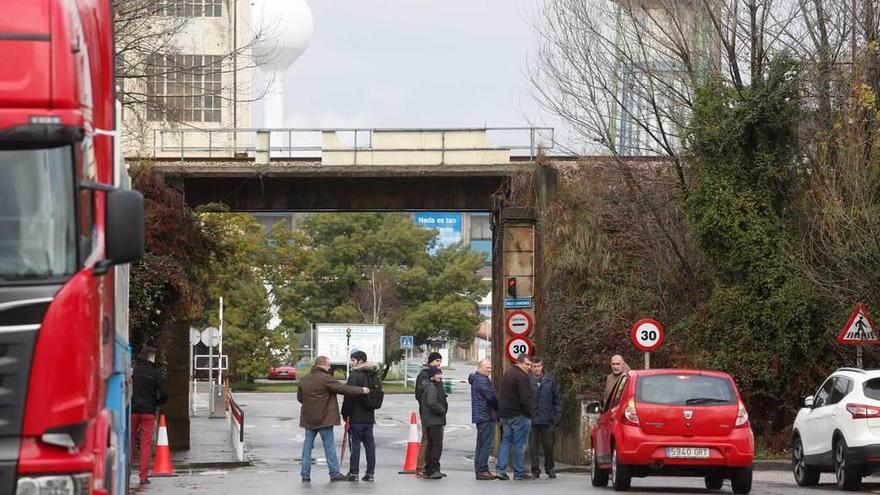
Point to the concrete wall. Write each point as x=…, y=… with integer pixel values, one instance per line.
x=176, y=410
x=448, y=148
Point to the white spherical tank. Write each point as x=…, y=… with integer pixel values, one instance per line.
x=284, y=29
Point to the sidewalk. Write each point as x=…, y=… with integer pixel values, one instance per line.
x=210, y=442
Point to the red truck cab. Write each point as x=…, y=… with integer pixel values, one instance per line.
x=63, y=227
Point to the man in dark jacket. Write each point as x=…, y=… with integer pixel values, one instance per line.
x=148, y=393
x=434, y=360
x=320, y=413
x=484, y=414
x=360, y=413
x=546, y=413
x=432, y=410
x=515, y=409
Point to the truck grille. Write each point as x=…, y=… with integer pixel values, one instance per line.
x=21, y=313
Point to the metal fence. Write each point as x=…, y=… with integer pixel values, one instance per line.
x=236, y=424
x=303, y=143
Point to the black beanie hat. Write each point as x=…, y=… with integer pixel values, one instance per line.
x=360, y=356
x=433, y=356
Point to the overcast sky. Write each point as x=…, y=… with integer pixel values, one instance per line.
x=415, y=63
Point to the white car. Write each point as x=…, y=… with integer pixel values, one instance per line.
x=838, y=430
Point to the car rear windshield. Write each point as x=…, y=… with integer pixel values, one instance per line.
x=872, y=389
x=685, y=390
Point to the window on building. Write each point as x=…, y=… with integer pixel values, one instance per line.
x=184, y=88
x=481, y=226
x=481, y=235
x=193, y=8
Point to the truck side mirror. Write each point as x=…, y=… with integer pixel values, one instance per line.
x=593, y=407
x=808, y=402
x=125, y=226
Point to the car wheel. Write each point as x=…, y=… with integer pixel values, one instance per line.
x=848, y=476
x=803, y=475
x=598, y=477
x=620, y=474
x=741, y=481
x=714, y=482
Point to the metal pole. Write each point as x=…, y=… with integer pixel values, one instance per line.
x=210, y=375
x=647, y=360
x=192, y=401
x=312, y=343
x=532, y=144
x=859, y=357
x=220, y=366
x=347, y=351
x=405, y=366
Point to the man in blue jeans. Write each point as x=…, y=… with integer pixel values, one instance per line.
x=320, y=413
x=484, y=413
x=515, y=409
x=360, y=413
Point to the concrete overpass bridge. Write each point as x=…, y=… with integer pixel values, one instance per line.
x=346, y=169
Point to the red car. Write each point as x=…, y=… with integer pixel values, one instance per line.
x=283, y=372
x=673, y=423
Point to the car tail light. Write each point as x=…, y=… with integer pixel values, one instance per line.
x=742, y=416
x=630, y=414
x=862, y=411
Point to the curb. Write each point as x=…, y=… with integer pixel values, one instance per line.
x=772, y=465
x=197, y=466
x=761, y=465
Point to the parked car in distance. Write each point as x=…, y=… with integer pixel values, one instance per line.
x=838, y=430
x=283, y=372
x=671, y=422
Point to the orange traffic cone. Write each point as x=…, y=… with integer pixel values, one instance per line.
x=162, y=464
x=412, y=447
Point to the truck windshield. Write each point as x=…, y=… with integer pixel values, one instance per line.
x=37, y=214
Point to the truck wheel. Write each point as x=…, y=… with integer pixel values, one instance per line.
x=620, y=473
x=741, y=481
x=598, y=477
x=848, y=476
x=803, y=475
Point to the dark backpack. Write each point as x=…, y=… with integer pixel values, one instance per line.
x=376, y=394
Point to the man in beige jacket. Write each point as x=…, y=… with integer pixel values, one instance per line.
x=618, y=368
x=320, y=413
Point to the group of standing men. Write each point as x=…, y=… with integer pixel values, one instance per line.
x=527, y=402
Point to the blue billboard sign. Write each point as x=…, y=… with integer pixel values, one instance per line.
x=447, y=224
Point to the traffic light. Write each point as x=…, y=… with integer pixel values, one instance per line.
x=511, y=287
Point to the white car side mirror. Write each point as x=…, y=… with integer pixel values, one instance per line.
x=808, y=402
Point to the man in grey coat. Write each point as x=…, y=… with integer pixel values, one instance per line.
x=433, y=409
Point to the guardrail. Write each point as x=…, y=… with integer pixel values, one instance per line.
x=236, y=424
x=245, y=143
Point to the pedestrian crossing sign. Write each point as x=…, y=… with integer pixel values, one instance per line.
x=859, y=330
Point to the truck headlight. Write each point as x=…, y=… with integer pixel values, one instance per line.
x=54, y=485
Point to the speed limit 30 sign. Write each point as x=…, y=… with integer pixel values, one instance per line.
x=517, y=346
x=647, y=335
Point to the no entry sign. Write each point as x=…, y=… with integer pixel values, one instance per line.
x=518, y=324
x=647, y=335
x=518, y=346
